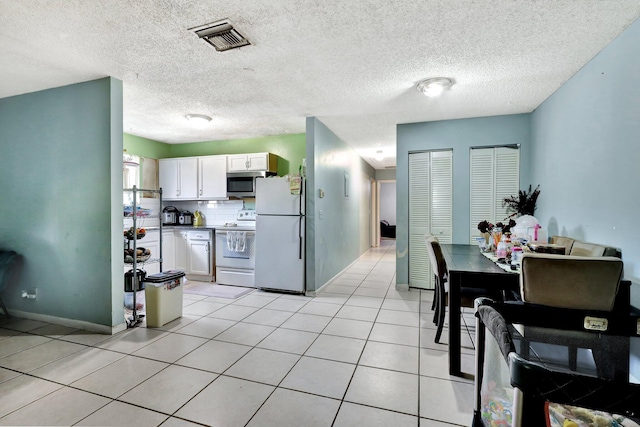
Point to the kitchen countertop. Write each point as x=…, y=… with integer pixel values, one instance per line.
x=182, y=227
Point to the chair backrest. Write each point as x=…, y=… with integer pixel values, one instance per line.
x=567, y=242
x=586, y=249
x=569, y=281
x=435, y=256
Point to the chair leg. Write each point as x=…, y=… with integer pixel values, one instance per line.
x=436, y=293
x=442, y=308
x=4, y=308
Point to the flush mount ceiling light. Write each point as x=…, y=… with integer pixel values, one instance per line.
x=379, y=157
x=198, y=118
x=434, y=87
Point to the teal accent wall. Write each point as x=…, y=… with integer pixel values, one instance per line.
x=61, y=187
x=586, y=152
x=336, y=232
x=290, y=149
x=460, y=136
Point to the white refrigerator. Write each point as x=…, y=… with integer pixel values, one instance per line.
x=280, y=236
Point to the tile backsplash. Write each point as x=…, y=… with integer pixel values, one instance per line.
x=214, y=212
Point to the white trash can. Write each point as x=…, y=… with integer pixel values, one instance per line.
x=163, y=297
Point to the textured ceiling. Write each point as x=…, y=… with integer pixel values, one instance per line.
x=352, y=64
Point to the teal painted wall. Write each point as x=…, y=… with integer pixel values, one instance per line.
x=336, y=232
x=60, y=150
x=586, y=152
x=460, y=136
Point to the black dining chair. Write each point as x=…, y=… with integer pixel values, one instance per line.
x=439, y=267
x=468, y=294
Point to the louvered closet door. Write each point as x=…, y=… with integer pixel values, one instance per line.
x=507, y=178
x=430, y=210
x=495, y=174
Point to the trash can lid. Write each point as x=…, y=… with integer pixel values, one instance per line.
x=164, y=276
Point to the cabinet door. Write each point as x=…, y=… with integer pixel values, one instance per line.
x=168, y=178
x=168, y=250
x=237, y=163
x=188, y=178
x=199, y=257
x=181, y=249
x=213, y=177
x=258, y=161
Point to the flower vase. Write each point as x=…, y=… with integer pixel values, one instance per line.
x=486, y=236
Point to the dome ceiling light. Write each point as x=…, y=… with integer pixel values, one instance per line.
x=198, y=118
x=435, y=86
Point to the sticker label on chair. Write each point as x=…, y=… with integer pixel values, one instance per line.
x=595, y=323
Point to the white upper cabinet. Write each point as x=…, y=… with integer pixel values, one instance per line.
x=212, y=177
x=193, y=178
x=178, y=178
x=266, y=162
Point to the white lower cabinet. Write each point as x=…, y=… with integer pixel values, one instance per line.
x=200, y=252
x=182, y=251
x=168, y=250
x=190, y=251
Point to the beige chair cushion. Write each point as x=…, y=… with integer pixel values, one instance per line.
x=567, y=242
x=565, y=281
x=586, y=249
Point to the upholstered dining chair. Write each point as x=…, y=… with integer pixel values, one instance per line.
x=570, y=281
x=566, y=242
x=571, y=288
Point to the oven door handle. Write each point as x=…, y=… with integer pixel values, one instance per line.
x=249, y=233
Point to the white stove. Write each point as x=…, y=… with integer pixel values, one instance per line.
x=245, y=221
x=235, y=250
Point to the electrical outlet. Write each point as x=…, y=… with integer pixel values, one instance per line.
x=30, y=294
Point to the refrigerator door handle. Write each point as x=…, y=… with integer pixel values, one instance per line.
x=300, y=238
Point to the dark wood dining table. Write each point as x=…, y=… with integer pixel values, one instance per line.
x=468, y=268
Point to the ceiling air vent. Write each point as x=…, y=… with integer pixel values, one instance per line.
x=221, y=35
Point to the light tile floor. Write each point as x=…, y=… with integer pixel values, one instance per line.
x=360, y=353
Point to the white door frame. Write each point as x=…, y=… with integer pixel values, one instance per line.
x=377, y=215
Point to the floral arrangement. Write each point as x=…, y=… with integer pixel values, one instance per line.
x=487, y=227
x=524, y=204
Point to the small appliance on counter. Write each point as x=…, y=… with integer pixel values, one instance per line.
x=185, y=218
x=170, y=215
x=197, y=219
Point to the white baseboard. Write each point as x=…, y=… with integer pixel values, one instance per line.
x=402, y=286
x=71, y=323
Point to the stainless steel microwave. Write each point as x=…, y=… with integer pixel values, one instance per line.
x=243, y=184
